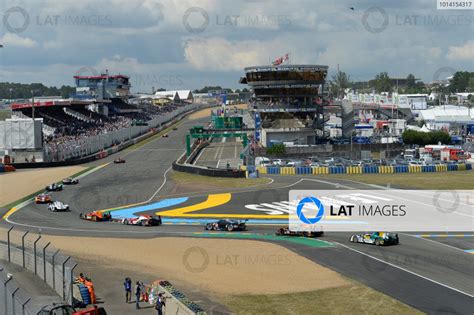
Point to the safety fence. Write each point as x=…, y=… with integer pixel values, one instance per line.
x=366, y=169
x=91, y=145
x=47, y=264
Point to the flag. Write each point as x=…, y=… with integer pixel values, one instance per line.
x=277, y=61
x=286, y=57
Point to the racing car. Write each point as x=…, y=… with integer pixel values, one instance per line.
x=226, y=225
x=119, y=161
x=70, y=181
x=96, y=216
x=143, y=220
x=375, y=238
x=54, y=187
x=285, y=231
x=165, y=135
x=43, y=198
x=58, y=206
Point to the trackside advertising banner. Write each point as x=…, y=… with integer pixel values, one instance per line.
x=382, y=210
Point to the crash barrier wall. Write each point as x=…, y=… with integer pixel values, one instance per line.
x=353, y=151
x=91, y=145
x=207, y=171
x=6, y=168
x=366, y=169
x=31, y=252
x=13, y=299
x=104, y=153
x=177, y=302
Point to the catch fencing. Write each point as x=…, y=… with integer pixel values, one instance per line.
x=90, y=145
x=33, y=253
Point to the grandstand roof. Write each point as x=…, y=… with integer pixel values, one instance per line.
x=55, y=102
x=102, y=76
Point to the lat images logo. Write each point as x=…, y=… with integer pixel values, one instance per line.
x=312, y=201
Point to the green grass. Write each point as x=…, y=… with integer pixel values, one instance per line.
x=4, y=114
x=351, y=299
x=219, y=182
x=442, y=180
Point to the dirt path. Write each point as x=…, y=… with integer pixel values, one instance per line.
x=21, y=183
x=198, y=262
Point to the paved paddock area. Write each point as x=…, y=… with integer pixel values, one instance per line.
x=221, y=152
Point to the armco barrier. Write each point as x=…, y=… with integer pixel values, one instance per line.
x=366, y=169
x=213, y=172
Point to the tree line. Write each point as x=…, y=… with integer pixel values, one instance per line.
x=425, y=138
x=20, y=90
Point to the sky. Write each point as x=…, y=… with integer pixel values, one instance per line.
x=190, y=44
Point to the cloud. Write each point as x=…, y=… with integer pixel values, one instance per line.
x=13, y=40
x=465, y=52
x=224, y=55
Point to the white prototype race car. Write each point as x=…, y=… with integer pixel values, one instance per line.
x=58, y=206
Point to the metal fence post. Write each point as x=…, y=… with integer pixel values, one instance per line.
x=54, y=274
x=44, y=261
x=23, y=246
x=71, y=288
x=5, y=293
x=64, y=276
x=34, y=246
x=8, y=244
x=23, y=306
x=13, y=300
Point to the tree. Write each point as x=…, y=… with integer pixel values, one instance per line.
x=276, y=149
x=411, y=81
x=382, y=82
x=460, y=81
x=425, y=138
x=339, y=82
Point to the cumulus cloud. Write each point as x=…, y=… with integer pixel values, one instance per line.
x=14, y=40
x=464, y=52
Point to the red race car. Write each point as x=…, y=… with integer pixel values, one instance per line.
x=143, y=220
x=43, y=198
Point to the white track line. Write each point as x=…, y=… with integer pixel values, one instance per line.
x=430, y=240
x=406, y=270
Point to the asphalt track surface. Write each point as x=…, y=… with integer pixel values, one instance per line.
x=434, y=274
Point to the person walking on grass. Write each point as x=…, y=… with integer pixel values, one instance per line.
x=138, y=293
x=128, y=290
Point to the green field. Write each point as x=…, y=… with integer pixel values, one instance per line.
x=4, y=114
x=442, y=180
x=352, y=299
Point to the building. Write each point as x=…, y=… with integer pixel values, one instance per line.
x=446, y=117
x=103, y=86
x=287, y=104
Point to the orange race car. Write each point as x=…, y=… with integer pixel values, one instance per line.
x=43, y=198
x=96, y=216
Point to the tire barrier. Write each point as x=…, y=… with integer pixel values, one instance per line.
x=366, y=169
x=7, y=168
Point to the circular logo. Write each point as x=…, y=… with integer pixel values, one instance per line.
x=195, y=11
x=22, y=12
x=367, y=25
x=453, y=203
x=201, y=252
x=317, y=203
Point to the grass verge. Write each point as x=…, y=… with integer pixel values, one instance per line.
x=352, y=299
x=442, y=180
x=218, y=182
x=4, y=114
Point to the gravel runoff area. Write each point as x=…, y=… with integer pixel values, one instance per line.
x=21, y=183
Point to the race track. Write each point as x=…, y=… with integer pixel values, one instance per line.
x=433, y=274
